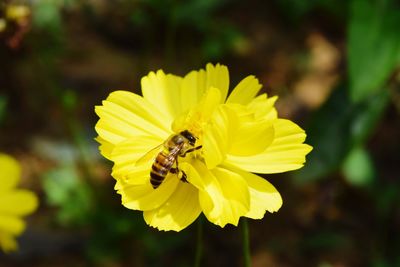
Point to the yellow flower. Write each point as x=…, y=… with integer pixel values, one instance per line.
x=235, y=136
x=14, y=203
x=17, y=13
x=3, y=24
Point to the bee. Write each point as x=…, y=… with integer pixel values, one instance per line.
x=177, y=145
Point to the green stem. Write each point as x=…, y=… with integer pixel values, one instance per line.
x=246, y=243
x=199, y=242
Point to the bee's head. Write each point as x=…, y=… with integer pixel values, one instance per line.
x=189, y=136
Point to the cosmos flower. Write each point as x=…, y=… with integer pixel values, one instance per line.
x=14, y=203
x=236, y=136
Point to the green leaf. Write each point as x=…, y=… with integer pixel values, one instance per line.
x=328, y=134
x=295, y=10
x=47, y=15
x=324, y=239
x=373, y=45
x=366, y=115
x=197, y=12
x=69, y=99
x=358, y=167
x=338, y=127
x=65, y=190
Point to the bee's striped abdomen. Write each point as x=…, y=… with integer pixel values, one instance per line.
x=156, y=179
x=160, y=168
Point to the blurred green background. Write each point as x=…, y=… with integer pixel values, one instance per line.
x=333, y=64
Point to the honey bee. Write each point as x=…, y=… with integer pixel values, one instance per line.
x=177, y=145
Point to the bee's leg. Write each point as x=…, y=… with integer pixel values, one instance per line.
x=183, y=178
x=191, y=150
x=177, y=170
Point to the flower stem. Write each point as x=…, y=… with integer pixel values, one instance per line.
x=199, y=242
x=246, y=243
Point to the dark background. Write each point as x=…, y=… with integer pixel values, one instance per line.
x=333, y=64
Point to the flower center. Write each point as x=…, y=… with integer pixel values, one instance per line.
x=192, y=123
x=199, y=115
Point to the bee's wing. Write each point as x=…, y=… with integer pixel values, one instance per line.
x=151, y=155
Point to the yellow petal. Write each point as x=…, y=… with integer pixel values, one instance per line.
x=223, y=194
x=209, y=102
x=105, y=147
x=263, y=107
x=263, y=195
x=244, y=134
x=286, y=152
x=144, y=196
x=251, y=138
x=8, y=242
x=199, y=115
x=196, y=83
x=242, y=113
x=124, y=115
x=139, y=106
x=10, y=172
x=245, y=91
x=216, y=136
x=18, y=202
x=127, y=153
x=218, y=77
x=164, y=92
x=179, y=211
x=193, y=88
x=11, y=224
